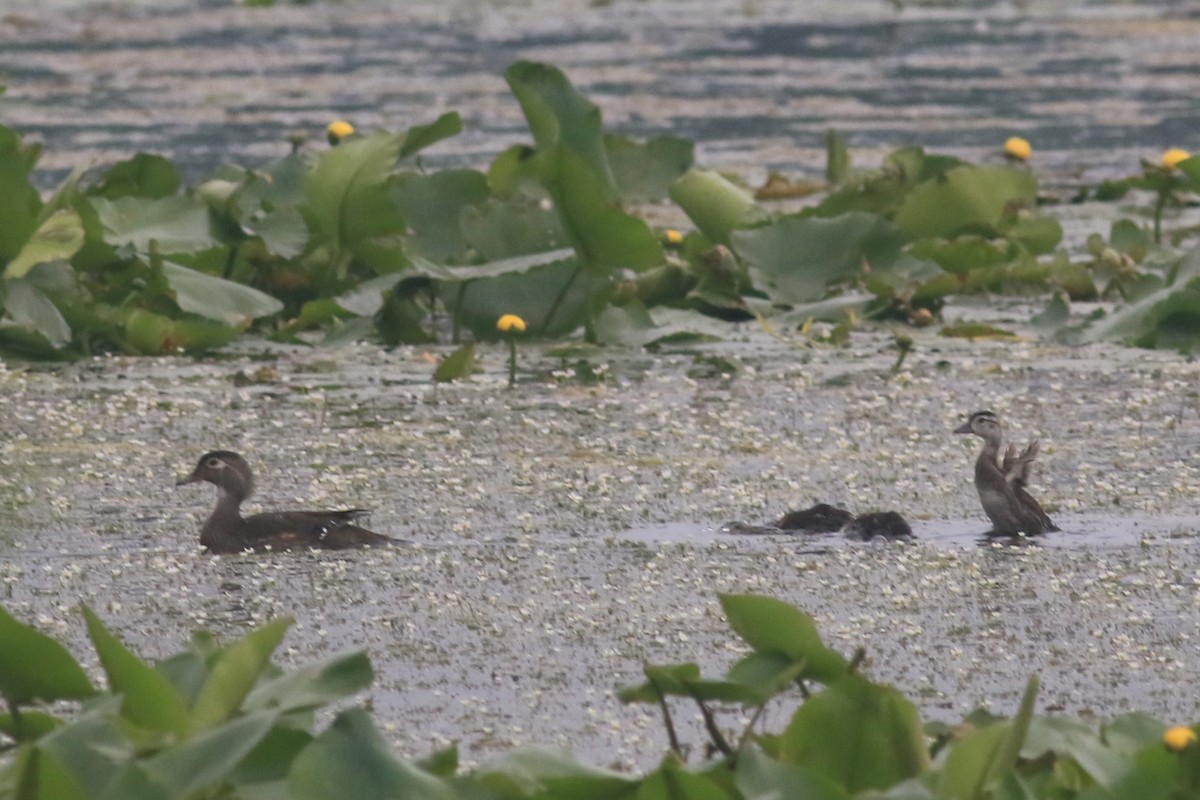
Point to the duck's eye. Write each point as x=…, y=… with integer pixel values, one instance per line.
x=214, y=463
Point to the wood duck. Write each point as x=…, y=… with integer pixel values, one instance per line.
x=227, y=531
x=1001, y=481
x=880, y=525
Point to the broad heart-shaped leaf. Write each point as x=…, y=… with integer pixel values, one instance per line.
x=57, y=239
x=234, y=672
x=1070, y=738
x=230, y=303
x=794, y=258
x=858, y=734
x=349, y=203
x=500, y=229
x=772, y=626
x=282, y=230
x=19, y=200
x=173, y=224
x=553, y=299
x=977, y=763
x=351, y=759
x=35, y=667
x=29, y=308
x=418, y=137
x=207, y=759
x=964, y=253
x=153, y=334
x=340, y=675
x=539, y=772
x=714, y=204
x=147, y=698
x=144, y=175
x=759, y=777
x=644, y=172
x=964, y=199
x=433, y=204
x=573, y=165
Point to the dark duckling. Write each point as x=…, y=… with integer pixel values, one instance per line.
x=821, y=518
x=880, y=524
x=227, y=531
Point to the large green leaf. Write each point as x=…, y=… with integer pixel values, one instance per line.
x=501, y=229
x=538, y=772
x=29, y=307
x=207, y=759
x=234, y=672
x=759, y=777
x=172, y=224
x=644, y=172
x=795, y=258
x=57, y=239
x=230, y=303
x=978, y=762
x=144, y=175
x=553, y=299
x=1164, y=317
x=351, y=759
x=332, y=678
x=349, y=203
x=35, y=667
x=965, y=199
x=147, y=697
x=418, y=137
x=573, y=165
x=672, y=782
x=433, y=205
x=19, y=200
x=92, y=747
x=858, y=734
x=773, y=626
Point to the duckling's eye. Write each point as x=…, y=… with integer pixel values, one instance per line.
x=214, y=463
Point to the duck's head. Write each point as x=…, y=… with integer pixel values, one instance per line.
x=985, y=425
x=226, y=470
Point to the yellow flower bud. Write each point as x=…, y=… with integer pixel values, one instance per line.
x=510, y=323
x=338, y=129
x=1017, y=148
x=1178, y=738
x=672, y=237
x=1172, y=157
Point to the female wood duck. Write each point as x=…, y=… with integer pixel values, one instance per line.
x=227, y=531
x=1001, y=482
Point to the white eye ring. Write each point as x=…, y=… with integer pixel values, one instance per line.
x=214, y=463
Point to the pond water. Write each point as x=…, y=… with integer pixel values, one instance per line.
x=568, y=531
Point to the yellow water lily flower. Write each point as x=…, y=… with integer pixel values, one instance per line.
x=510, y=323
x=1172, y=157
x=1017, y=148
x=1178, y=738
x=672, y=237
x=338, y=129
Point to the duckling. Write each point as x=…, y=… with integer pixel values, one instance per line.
x=1001, y=482
x=227, y=531
x=821, y=518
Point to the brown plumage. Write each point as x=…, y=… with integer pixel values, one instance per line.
x=1001, y=482
x=227, y=531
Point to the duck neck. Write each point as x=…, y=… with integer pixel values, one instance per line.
x=222, y=532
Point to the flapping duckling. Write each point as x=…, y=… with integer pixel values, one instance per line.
x=1001, y=482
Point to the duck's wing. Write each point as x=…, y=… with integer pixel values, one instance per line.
x=1017, y=467
x=321, y=529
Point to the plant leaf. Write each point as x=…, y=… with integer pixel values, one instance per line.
x=174, y=224
x=227, y=302
x=234, y=672
x=147, y=697
x=35, y=667
x=773, y=626
x=57, y=239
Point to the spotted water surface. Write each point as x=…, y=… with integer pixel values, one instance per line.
x=566, y=532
